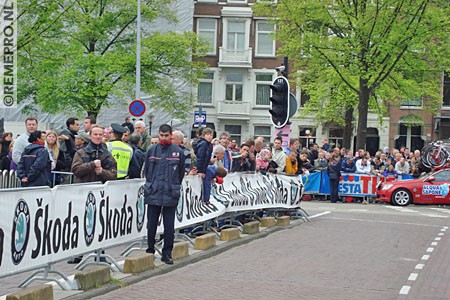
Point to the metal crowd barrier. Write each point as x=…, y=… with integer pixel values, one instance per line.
x=9, y=180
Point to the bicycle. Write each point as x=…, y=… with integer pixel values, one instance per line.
x=435, y=154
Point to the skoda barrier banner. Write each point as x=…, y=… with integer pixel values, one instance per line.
x=42, y=225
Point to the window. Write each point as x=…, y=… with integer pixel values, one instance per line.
x=307, y=136
x=237, y=1
x=442, y=176
x=304, y=97
x=263, y=82
x=446, y=96
x=236, y=35
x=265, y=44
x=206, y=28
x=412, y=102
x=410, y=137
x=233, y=89
x=335, y=137
x=235, y=133
x=205, y=88
x=264, y=131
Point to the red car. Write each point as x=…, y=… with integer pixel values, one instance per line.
x=430, y=189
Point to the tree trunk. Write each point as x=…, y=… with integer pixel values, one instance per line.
x=348, y=128
x=363, y=108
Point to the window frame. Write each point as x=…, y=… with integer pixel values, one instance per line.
x=257, y=37
x=214, y=46
x=263, y=83
x=234, y=84
x=206, y=80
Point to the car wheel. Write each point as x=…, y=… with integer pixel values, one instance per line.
x=401, y=197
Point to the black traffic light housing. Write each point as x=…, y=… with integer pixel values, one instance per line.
x=279, y=108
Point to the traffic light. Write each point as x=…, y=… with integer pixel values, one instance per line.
x=279, y=108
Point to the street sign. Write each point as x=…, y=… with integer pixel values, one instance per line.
x=200, y=118
x=136, y=108
x=293, y=105
x=285, y=135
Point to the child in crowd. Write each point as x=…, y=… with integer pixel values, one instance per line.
x=262, y=161
x=390, y=171
x=212, y=173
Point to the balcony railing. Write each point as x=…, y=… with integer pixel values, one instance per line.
x=237, y=108
x=235, y=57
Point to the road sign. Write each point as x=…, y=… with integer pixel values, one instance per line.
x=200, y=118
x=283, y=133
x=136, y=108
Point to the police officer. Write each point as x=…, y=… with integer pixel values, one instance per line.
x=121, y=151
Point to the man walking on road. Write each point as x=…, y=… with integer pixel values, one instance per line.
x=164, y=171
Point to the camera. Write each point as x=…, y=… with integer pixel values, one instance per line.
x=280, y=68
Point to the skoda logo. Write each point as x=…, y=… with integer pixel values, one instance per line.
x=20, y=231
x=140, y=208
x=90, y=217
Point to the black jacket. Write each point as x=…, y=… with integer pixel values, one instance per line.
x=334, y=170
x=136, y=163
x=164, y=172
x=35, y=165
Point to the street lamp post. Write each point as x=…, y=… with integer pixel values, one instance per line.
x=151, y=118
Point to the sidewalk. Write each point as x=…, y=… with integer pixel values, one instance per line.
x=10, y=284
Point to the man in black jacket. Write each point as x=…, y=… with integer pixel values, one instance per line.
x=164, y=172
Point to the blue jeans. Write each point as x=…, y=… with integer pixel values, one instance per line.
x=211, y=172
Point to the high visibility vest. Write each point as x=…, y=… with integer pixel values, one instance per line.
x=122, y=153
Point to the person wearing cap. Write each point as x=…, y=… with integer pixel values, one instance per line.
x=81, y=140
x=121, y=151
x=348, y=165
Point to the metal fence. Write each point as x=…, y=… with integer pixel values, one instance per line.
x=9, y=180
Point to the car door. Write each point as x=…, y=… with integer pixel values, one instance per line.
x=441, y=184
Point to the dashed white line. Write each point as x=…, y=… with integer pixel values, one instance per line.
x=429, y=250
x=413, y=276
x=443, y=229
x=425, y=257
x=440, y=233
x=404, y=290
x=437, y=238
x=419, y=266
x=434, y=243
x=321, y=214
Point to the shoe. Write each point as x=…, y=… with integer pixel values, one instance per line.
x=206, y=202
x=167, y=259
x=365, y=202
x=75, y=260
x=151, y=251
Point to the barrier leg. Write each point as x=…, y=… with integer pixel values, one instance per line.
x=179, y=235
x=130, y=248
x=48, y=270
x=97, y=255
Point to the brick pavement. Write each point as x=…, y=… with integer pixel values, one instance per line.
x=338, y=256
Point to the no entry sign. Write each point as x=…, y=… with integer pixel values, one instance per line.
x=136, y=108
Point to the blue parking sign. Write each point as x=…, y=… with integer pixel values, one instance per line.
x=200, y=118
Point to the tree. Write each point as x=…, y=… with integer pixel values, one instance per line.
x=84, y=56
x=372, y=52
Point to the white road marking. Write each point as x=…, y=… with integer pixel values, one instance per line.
x=444, y=229
x=425, y=257
x=429, y=250
x=441, y=233
x=320, y=214
x=413, y=276
x=437, y=238
x=404, y=290
x=435, y=216
x=419, y=266
x=358, y=210
x=434, y=243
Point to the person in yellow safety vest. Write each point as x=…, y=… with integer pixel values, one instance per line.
x=122, y=152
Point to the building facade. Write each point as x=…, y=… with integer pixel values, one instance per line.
x=235, y=91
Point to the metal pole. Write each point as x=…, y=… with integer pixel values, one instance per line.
x=138, y=51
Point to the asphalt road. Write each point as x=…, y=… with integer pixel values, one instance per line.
x=348, y=251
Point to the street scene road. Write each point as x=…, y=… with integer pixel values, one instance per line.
x=348, y=251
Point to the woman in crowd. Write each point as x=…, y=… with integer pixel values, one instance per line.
x=56, y=156
x=34, y=168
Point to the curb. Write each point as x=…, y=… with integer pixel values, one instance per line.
x=193, y=258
